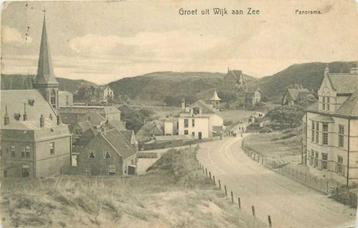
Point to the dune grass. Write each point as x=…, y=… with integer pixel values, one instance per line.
x=174, y=193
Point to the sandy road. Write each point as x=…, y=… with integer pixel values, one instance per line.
x=289, y=203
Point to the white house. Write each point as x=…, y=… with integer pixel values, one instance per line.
x=331, y=127
x=200, y=121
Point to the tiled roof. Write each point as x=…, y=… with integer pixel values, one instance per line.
x=350, y=106
x=205, y=108
x=120, y=143
x=294, y=93
x=14, y=100
x=344, y=83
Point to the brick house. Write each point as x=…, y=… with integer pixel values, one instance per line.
x=330, y=142
x=34, y=142
x=104, y=151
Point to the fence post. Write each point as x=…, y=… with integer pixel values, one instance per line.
x=239, y=202
x=214, y=180
x=210, y=175
x=206, y=171
x=225, y=190
x=219, y=184
x=253, y=211
x=232, y=197
x=269, y=220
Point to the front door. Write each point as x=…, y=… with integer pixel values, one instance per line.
x=25, y=172
x=199, y=135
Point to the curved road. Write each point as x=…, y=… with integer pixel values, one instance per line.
x=289, y=203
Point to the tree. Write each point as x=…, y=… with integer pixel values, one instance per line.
x=287, y=115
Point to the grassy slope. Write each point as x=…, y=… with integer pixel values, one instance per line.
x=280, y=146
x=173, y=194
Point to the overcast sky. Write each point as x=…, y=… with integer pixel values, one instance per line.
x=106, y=41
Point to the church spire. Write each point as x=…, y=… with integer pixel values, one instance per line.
x=45, y=76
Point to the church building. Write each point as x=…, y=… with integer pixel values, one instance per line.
x=34, y=141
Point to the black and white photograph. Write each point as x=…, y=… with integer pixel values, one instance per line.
x=179, y=114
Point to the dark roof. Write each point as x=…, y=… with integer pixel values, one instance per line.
x=205, y=108
x=295, y=93
x=350, y=106
x=119, y=142
x=45, y=74
x=344, y=82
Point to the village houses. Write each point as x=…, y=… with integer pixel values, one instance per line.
x=330, y=142
x=200, y=120
x=34, y=141
x=296, y=95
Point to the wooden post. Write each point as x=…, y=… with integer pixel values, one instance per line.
x=225, y=190
x=232, y=197
x=210, y=175
x=214, y=180
x=269, y=220
x=206, y=171
x=253, y=211
x=239, y=202
x=219, y=184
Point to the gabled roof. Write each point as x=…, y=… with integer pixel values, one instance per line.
x=205, y=108
x=14, y=101
x=295, y=93
x=343, y=83
x=119, y=142
x=350, y=106
x=45, y=74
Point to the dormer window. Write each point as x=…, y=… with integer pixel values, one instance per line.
x=91, y=155
x=107, y=155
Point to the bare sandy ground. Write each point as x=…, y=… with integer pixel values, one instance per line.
x=289, y=203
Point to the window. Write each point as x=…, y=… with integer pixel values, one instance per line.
x=325, y=134
x=27, y=151
x=313, y=130
x=112, y=170
x=186, y=132
x=317, y=132
x=193, y=133
x=25, y=171
x=12, y=151
x=323, y=103
x=74, y=160
x=91, y=155
x=341, y=136
x=316, y=159
x=327, y=103
x=186, y=123
x=193, y=122
x=107, y=155
x=324, y=160
x=340, y=169
x=52, y=148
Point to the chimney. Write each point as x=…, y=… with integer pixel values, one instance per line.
x=58, y=120
x=25, y=114
x=42, y=121
x=6, y=117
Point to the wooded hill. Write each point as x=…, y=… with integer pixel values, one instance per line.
x=171, y=87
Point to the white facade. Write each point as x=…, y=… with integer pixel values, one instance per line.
x=331, y=129
x=197, y=127
x=168, y=127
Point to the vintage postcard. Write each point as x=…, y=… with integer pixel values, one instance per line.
x=168, y=113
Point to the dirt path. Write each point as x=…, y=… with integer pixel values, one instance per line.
x=289, y=203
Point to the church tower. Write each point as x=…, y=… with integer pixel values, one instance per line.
x=45, y=80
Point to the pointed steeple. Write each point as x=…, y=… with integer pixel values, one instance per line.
x=45, y=76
